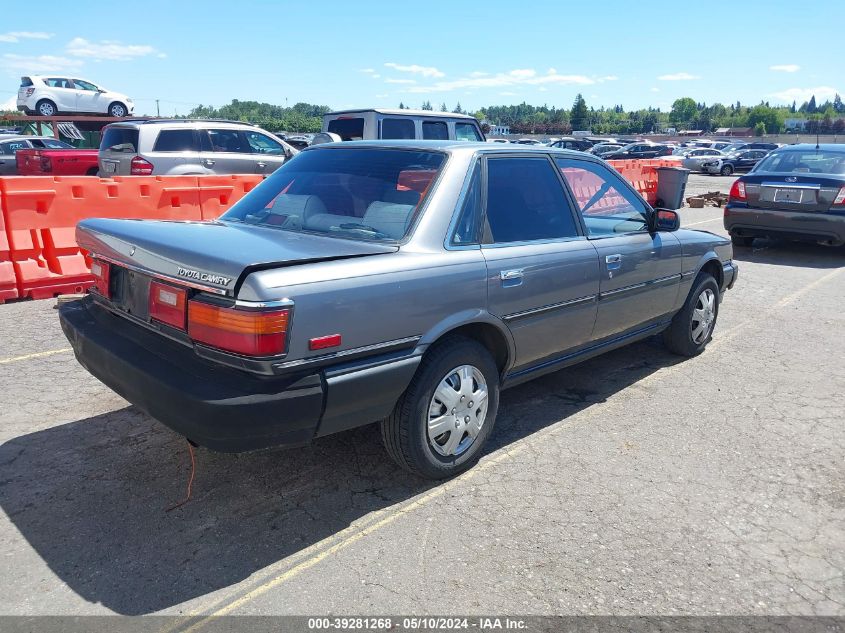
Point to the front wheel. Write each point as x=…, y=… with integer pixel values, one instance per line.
x=441, y=423
x=117, y=109
x=692, y=327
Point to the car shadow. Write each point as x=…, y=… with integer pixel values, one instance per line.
x=786, y=253
x=91, y=496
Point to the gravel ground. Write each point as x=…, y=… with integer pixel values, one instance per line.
x=635, y=483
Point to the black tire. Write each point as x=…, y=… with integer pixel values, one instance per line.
x=727, y=170
x=405, y=431
x=45, y=107
x=92, y=172
x=117, y=109
x=739, y=240
x=679, y=335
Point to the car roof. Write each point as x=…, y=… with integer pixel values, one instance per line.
x=182, y=123
x=828, y=147
x=454, y=147
x=24, y=137
x=404, y=112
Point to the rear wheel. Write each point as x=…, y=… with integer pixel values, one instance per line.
x=727, y=170
x=739, y=240
x=442, y=421
x=92, y=172
x=45, y=107
x=692, y=327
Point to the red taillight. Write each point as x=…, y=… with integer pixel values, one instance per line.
x=738, y=191
x=102, y=273
x=167, y=304
x=248, y=332
x=839, y=200
x=140, y=167
x=29, y=91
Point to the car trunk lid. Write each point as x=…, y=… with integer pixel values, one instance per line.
x=809, y=193
x=211, y=255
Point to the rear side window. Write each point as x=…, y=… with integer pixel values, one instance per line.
x=26, y=82
x=526, y=201
x=466, y=132
x=50, y=143
x=607, y=205
x=435, y=130
x=397, y=128
x=176, y=141
x=232, y=141
x=12, y=147
x=119, y=139
x=347, y=129
x=57, y=82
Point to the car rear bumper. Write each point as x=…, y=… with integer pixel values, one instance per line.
x=795, y=225
x=221, y=408
x=730, y=273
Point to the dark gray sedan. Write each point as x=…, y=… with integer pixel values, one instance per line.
x=796, y=192
x=405, y=282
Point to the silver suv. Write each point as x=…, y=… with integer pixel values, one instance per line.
x=380, y=123
x=182, y=147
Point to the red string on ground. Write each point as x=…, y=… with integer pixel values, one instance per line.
x=190, y=481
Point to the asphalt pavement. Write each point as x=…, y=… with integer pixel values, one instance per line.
x=635, y=483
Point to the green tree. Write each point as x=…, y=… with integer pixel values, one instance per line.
x=760, y=129
x=443, y=107
x=579, y=117
x=684, y=111
x=769, y=117
x=426, y=106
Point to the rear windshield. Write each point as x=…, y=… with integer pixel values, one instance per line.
x=347, y=129
x=804, y=162
x=26, y=82
x=364, y=194
x=119, y=139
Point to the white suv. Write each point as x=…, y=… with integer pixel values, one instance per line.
x=48, y=96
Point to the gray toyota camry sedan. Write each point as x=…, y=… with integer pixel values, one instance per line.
x=399, y=282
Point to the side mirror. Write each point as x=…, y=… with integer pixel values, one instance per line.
x=665, y=220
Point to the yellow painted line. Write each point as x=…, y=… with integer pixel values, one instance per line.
x=509, y=452
x=52, y=352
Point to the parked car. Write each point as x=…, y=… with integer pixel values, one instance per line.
x=578, y=144
x=381, y=123
x=407, y=282
x=184, y=146
x=694, y=158
x=796, y=192
x=602, y=149
x=57, y=162
x=639, y=150
x=740, y=161
x=297, y=141
x=737, y=147
x=52, y=95
x=10, y=145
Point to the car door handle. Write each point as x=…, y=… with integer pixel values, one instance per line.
x=613, y=262
x=208, y=162
x=511, y=278
x=260, y=164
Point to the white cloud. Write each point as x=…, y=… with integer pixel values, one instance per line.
x=375, y=76
x=16, y=36
x=400, y=81
x=516, y=77
x=542, y=89
x=655, y=89
x=785, y=68
x=108, y=49
x=425, y=71
x=366, y=70
x=382, y=96
x=678, y=77
x=822, y=93
x=37, y=64
x=478, y=73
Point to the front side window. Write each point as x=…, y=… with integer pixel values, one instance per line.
x=263, y=144
x=526, y=202
x=363, y=194
x=466, y=132
x=607, y=205
x=435, y=130
x=230, y=141
x=351, y=129
x=175, y=141
x=397, y=128
x=81, y=84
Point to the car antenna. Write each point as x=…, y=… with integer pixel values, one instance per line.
x=817, y=138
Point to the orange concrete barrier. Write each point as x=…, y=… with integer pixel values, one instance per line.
x=218, y=193
x=8, y=283
x=41, y=214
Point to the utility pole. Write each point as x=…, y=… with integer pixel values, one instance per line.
x=158, y=112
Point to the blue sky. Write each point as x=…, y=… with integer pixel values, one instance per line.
x=374, y=53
